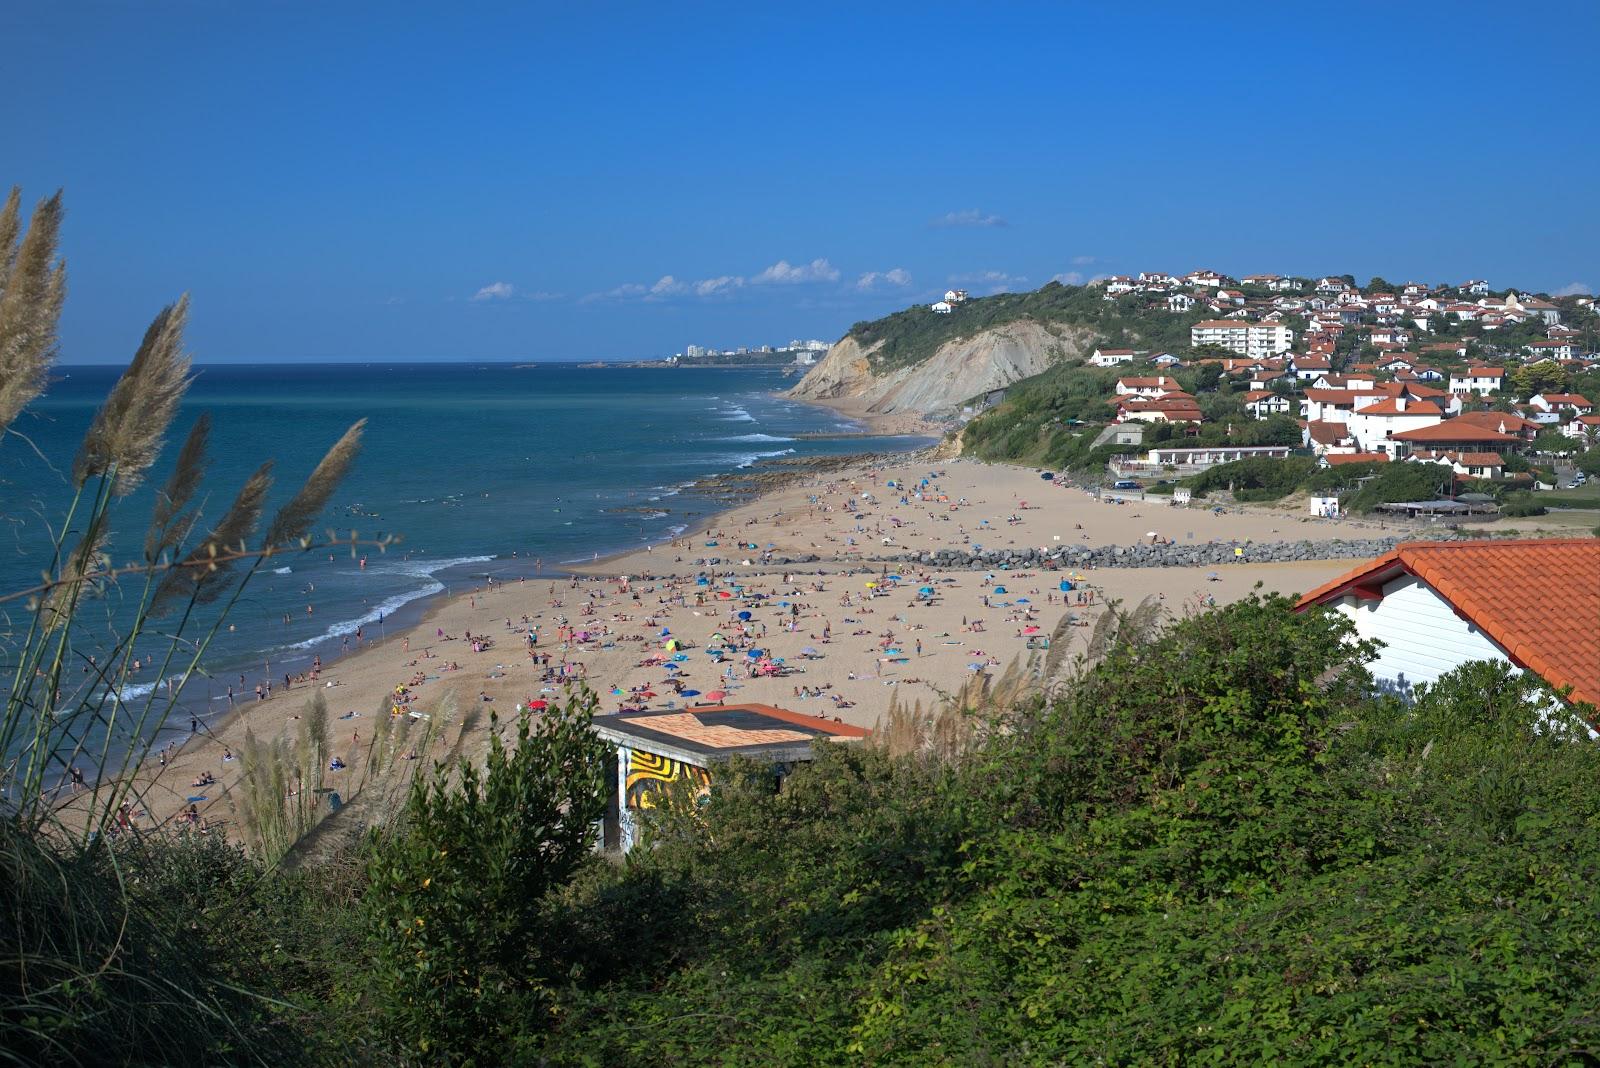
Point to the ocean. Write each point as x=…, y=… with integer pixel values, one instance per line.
x=480, y=469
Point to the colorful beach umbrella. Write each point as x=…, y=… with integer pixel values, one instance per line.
x=716, y=695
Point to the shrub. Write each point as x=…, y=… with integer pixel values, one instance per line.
x=1521, y=504
x=455, y=892
x=1256, y=478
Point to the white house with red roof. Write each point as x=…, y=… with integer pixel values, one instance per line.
x=1374, y=426
x=1575, y=403
x=1147, y=387
x=1479, y=380
x=1435, y=606
x=1264, y=403
x=1585, y=428
x=1112, y=357
x=1555, y=349
x=1455, y=435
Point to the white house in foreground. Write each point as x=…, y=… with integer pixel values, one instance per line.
x=1438, y=605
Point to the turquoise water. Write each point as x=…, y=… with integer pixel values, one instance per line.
x=481, y=469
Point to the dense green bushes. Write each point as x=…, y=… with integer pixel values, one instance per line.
x=1203, y=850
x=1212, y=844
x=1255, y=479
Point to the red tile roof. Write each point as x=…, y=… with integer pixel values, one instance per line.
x=1392, y=407
x=1538, y=599
x=1453, y=430
x=1492, y=420
x=1325, y=432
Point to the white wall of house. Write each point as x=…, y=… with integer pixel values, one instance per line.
x=1373, y=433
x=1422, y=635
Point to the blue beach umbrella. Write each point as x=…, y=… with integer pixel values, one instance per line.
x=744, y=615
x=756, y=654
x=689, y=693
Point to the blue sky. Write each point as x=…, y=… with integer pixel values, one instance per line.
x=484, y=181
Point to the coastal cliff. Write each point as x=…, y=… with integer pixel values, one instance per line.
x=957, y=370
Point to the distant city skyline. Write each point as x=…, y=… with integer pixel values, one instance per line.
x=510, y=182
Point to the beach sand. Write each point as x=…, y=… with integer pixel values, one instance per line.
x=844, y=648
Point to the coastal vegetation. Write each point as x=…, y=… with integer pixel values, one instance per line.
x=1168, y=839
x=911, y=336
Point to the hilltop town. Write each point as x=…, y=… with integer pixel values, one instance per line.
x=1496, y=387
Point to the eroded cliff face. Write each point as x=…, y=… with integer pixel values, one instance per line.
x=959, y=371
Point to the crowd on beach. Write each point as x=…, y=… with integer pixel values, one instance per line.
x=710, y=618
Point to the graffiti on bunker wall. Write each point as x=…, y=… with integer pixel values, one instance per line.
x=650, y=774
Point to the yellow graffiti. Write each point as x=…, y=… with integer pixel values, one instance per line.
x=650, y=774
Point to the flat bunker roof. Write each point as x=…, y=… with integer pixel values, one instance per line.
x=716, y=732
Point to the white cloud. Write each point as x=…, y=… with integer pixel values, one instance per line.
x=1573, y=289
x=1068, y=278
x=895, y=276
x=626, y=291
x=710, y=287
x=970, y=217
x=781, y=273
x=785, y=273
x=666, y=286
x=495, y=291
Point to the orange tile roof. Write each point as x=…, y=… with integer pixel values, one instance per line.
x=1392, y=407
x=1513, y=423
x=1452, y=430
x=1539, y=599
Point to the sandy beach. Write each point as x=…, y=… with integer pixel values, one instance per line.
x=666, y=627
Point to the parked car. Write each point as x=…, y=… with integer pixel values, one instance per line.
x=1126, y=484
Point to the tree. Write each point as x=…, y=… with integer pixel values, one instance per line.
x=456, y=892
x=1552, y=440
x=1542, y=377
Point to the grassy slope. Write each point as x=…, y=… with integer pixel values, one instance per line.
x=912, y=336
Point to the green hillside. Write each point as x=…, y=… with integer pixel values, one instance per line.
x=911, y=336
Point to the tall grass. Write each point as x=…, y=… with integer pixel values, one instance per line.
x=96, y=961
